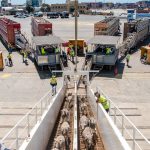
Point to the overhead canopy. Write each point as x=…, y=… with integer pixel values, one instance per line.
x=104, y=40
x=47, y=40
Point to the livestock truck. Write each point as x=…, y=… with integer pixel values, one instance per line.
x=10, y=34
x=40, y=27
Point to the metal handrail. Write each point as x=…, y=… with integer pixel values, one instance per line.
x=125, y=117
x=39, y=106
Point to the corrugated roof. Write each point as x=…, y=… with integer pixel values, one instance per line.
x=104, y=40
x=47, y=40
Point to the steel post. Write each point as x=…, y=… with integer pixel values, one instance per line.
x=115, y=115
x=109, y=107
x=36, y=114
x=122, y=125
x=17, y=140
x=133, y=145
x=28, y=124
x=41, y=108
x=76, y=31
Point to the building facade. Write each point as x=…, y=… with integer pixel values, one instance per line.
x=69, y=6
x=93, y=5
x=34, y=3
x=4, y=3
x=143, y=4
x=58, y=7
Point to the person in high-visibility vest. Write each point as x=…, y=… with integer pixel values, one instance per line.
x=10, y=59
x=9, y=48
x=145, y=56
x=128, y=59
x=43, y=51
x=25, y=57
x=102, y=99
x=108, y=51
x=57, y=50
x=86, y=48
x=72, y=54
x=68, y=52
x=53, y=82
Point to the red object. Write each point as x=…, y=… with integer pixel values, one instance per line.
x=65, y=44
x=115, y=71
x=40, y=26
x=7, y=30
x=68, y=50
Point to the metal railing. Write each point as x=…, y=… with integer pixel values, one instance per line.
x=21, y=131
x=129, y=131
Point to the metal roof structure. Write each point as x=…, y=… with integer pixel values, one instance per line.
x=104, y=40
x=47, y=40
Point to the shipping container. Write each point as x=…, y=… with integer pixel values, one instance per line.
x=1, y=61
x=40, y=26
x=8, y=29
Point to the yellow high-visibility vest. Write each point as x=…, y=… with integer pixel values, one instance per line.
x=128, y=57
x=43, y=51
x=104, y=102
x=53, y=80
x=9, y=56
x=108, y=50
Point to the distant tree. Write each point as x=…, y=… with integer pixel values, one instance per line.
x=29, y=8
x=45, y=8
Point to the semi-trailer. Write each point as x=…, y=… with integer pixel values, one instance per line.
x=40, y=27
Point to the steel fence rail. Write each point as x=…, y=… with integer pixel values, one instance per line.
x=27, y=123
x=114, y=109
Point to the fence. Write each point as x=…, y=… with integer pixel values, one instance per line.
x=129, y=131
x=21, y=131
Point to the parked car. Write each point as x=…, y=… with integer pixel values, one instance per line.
x=38, y=14
x=52, y=15
x=64, y=14
x=21, y=16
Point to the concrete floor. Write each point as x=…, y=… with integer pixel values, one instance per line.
x=22, y=86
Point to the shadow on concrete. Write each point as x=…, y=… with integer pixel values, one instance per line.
x=115, y=72
x=45, y=72
x=120, y=67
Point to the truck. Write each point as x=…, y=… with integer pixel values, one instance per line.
x=53, y=15
x=135, y=32
x=50, y=58
x=64, y=14
x=10, y=33
x=108, y=26
x=40, y=26
x=98, y=55
x=8, y=30
x=81, y=44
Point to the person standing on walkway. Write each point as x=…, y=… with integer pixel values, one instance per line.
x=25, y=57
x=43, y=51
x=72, y=54
x=10, y=60
x=9, y=48
x=53, y=82
x=128, y=59
x=68, y=52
